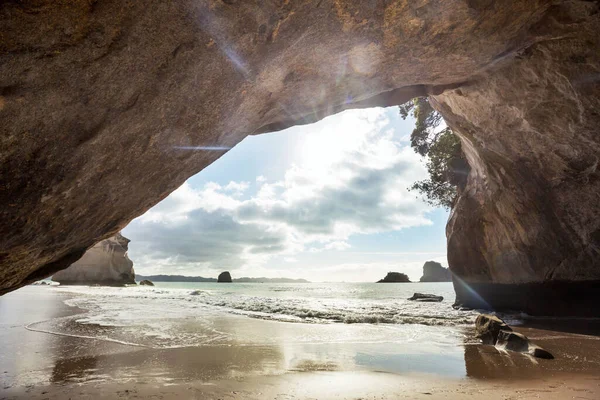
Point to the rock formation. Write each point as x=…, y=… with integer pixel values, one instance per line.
x=224, y=277
x=394, y=277
x=525, y=232
x=494, y=331
x=106, y=263
x=425, y=297
x=434, y=272
x=118, y=103
x=146, y=282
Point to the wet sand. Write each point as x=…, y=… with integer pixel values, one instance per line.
x=41, y=365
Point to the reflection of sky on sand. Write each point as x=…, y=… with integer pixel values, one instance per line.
x=246, y=347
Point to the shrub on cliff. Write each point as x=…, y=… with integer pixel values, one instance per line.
x=446, y=165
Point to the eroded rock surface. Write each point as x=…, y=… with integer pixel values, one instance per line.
x=434, y=272
x=102, y=101
x=525, y=233
x=108, y=106
x=106, y=263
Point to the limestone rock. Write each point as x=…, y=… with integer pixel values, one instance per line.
x=224, y=277
x=105, y=264
x=107, y=107
x=525, y=232
x=394, y=277
x=514, y=341
x=434, y=272
x=146, y=282
x=488, y=327
x=424, y=297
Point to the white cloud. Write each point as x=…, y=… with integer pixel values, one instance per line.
x=351, y=179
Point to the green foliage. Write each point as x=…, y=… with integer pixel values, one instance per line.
x=446, y=164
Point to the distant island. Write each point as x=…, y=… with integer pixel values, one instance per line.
x=182, y=278
x=434, y=272
x=224, y=277
x=395, y=277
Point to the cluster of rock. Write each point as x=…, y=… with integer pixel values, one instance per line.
x=106, y=263
x=146, y=282
x=434, y=272
x=394, y=277
x=494, y=331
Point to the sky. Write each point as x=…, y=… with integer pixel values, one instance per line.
x=327, y=201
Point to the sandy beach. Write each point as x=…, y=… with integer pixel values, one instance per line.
x=39, y=363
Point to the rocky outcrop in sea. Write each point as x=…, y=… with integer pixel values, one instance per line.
x=394, y=277
x=434, y=272
x=106, y=263
x=224, y=277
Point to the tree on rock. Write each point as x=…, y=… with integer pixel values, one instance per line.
x=446, y=165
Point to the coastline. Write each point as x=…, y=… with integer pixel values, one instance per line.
x=89, y=366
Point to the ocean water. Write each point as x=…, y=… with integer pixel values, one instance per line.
x=177, y=332
x=171, y=315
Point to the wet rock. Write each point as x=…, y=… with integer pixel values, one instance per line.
x=514, y=341
x=146, y=282
x=424, y=297
x=394, y=277
x=224, y=277
x=488, y=327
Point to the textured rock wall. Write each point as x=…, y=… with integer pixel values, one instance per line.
x=100, y=101
x=525, y=233
x=106, y=263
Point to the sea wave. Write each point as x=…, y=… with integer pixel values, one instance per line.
x=346, y=311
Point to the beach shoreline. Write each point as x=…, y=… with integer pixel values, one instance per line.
x=325, y=385
x=43, y=364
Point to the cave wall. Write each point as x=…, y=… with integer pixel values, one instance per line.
x=101, y=100
x=525, y=232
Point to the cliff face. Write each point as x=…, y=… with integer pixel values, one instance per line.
x=106, y=263
x=527, y=226
x=135, y=97
x=434, y=272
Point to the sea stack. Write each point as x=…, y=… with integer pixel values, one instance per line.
x=224, y=277
x=394, y=277
x=434, y=272
x=106, y=263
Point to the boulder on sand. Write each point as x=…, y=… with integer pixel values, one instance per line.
x=514, y=341
x=426, y=297
x=488, y=327
x=146, y=282
x=492, y=330
x=224, y=277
